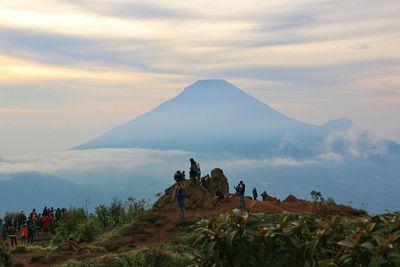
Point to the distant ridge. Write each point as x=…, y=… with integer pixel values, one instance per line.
x=214, y=116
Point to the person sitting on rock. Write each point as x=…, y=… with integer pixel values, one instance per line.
x=264, y=195
x=180, y=198
x=179, y=176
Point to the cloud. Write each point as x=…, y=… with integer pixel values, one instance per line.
x=84, y=160
x=318, y=54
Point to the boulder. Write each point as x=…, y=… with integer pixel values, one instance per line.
x=291, y=199
x=197, y=197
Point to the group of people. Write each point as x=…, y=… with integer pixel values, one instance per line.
x=27, y=228
x=195, y=175
x=263, y=195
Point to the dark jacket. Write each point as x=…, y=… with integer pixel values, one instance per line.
x=180, y=197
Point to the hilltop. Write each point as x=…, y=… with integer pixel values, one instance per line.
x=160, y=224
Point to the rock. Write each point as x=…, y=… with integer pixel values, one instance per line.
x=269, y=198
x=197, y=197
x=218, y=179
x=291, y=199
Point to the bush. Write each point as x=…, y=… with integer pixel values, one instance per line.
x=322, y=207
x=69, y=225
x=243, y=239
x=4, y=257
x=76, y=224
x=119, y=213
x=89, y=229
x=147, y=256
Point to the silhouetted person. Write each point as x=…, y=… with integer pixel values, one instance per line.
x=198, y=172
x=179, y=176
x=241, y=189
x=12, y=234
x=193, y=169
x=255, y=194
x=264, y=195
x=31, y=230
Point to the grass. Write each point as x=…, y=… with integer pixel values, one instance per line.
x=21, y=249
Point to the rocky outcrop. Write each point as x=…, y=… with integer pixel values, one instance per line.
x=291, y=199
x=197, y=196
x=219, y=180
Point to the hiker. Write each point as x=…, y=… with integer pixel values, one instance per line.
x=45, y=211
x=45, y=223
x=180, y=198
x=264, y=195
x=240, y=189
x=255, y=194
x=12, y=234
x=198, y=172
x=24, y=233
x=38, y=225
x=179, y=176
x=31, y=230
x=193, y=169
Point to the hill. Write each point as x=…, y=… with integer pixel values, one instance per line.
x=155, y=227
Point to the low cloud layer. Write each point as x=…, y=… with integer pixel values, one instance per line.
x=102, y=174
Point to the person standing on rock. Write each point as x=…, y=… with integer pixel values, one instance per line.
x=193, y=170
x=255, y=194
x=241, y=189
x=180, y=198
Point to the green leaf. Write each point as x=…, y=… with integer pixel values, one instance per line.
x=346, y=243
x=377, y=261
x=368, y=245
x=229, y=240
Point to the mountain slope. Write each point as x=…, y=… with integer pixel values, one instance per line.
x=215, y=116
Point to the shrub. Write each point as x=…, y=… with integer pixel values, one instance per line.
x=4, y=256
x=322, y=207
x=243, y=239
x=69, y=225
x=147, y=256
x=119, y=213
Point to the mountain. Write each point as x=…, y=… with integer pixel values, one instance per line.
x=213, y=116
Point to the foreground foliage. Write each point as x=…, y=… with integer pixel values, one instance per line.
x=4, y=256
x=244, y=239
x=147, y=256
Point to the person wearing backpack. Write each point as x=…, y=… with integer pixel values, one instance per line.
x=180, y=198
x=241, y=189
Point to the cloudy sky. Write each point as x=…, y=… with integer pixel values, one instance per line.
x=72, y=69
